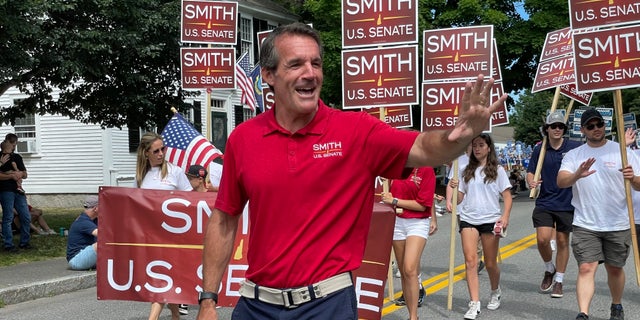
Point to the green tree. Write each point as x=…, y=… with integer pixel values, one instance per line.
x=115, y=63
x=530, y=114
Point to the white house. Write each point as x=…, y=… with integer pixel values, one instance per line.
x=67, y=159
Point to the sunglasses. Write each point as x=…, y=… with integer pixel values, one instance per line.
x=594, y=125
x=163, y=149
x=557, y=126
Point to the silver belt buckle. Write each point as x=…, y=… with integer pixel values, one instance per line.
x=287, y=297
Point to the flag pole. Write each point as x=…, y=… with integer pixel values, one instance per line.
x=617, y=104
x=452, y=252
x=543, y=147
x=385, y=189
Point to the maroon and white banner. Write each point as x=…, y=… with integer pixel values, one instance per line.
x=554, y=73
x=397, y=117
x=380, y=77
x=557, y=44
x=607, y=59
x=501, y=115
x=457, y=53
x=382, y=22
x=600, y=13
x=210, y=22
x=570, y=91
x=208, y=68
x=440, y=104
x=150, y=249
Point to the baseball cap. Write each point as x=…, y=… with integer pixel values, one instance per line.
x=555, y=117
x=589, y=115
x=197, y=170
x=90, y=202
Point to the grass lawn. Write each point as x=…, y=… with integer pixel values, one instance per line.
x=45, y=247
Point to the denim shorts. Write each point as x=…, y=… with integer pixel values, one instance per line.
x=84, y=260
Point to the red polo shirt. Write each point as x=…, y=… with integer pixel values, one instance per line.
x=419, y=186
x=311, y=192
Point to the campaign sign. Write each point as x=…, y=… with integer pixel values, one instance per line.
x=440, y=104
x=501, y=115
x=380, y=77
x=397, y=117
x=208, y=68
x=380, y=22
x=557, y=44
x=496, y=73
x=457, y=53
x=151, y=244
x=267, y=98
x=607, y=59
x=585, y=14
x=370, y=279
x=553, y=73
x=570, y=91
x=262, y=35
x=211, y=22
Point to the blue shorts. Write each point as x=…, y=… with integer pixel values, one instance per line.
x=85, y=259
x=340, y=305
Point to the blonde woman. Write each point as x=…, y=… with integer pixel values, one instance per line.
x=154, y=172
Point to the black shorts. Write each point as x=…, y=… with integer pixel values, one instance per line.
x=561, y=220
x=482, y=228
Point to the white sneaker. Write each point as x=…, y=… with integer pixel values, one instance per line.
x=474, y=310
x=494, y=303
x=554, y=247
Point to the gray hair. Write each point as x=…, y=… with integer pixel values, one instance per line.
x=269, y=57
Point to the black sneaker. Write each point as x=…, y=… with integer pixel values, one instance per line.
x=480, y=266
x=582, y=316
x=183, y=309
x=11, y=249
x=26, y=246
x=421, y=294
x=400, y=301
x=617, y=313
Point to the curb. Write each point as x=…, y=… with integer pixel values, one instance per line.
x=41, y=289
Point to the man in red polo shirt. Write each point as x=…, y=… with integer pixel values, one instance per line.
x=312, y=200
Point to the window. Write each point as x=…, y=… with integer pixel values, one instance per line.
x=245, y=32
x=241, y=114
x=217, y=104
x=25, y=129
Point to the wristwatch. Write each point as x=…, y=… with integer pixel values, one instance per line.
x=207, y=295
x=394, y=202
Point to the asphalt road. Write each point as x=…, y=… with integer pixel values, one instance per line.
x=522, y=271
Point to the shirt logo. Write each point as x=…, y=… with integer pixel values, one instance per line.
x=327, y=149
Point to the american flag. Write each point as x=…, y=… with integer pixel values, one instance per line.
x=186, y=146
x=245, y=83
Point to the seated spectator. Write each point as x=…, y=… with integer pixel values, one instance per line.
x=38, y=224
x=82, y=246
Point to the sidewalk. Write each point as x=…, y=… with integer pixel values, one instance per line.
x=28, y=281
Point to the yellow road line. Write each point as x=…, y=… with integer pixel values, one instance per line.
x=441, y=281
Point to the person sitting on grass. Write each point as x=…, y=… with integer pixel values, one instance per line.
x=82, y=245
x=38, y=224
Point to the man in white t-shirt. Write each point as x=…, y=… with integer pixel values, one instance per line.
x=601, y=229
